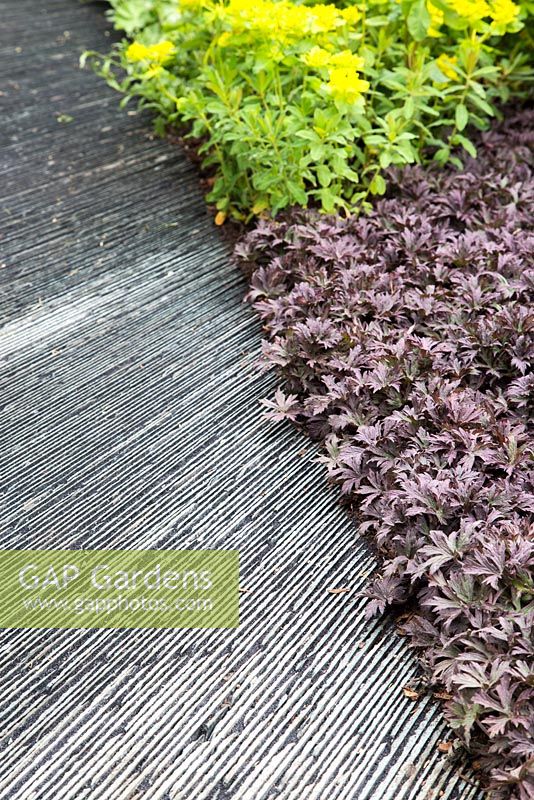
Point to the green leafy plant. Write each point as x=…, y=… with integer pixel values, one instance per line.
x=300, y=103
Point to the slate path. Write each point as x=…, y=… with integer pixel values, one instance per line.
x=130, y=418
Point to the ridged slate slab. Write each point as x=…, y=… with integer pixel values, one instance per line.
x=130, y=418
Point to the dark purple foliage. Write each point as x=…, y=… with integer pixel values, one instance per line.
x=406, y=341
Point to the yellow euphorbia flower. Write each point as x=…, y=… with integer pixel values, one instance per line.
x=158, y=53
x=351, y=15
x=347, y=59
x=137, y=52
x=471, y=10
x=317, y=57
x=224, y=39
x=281, y=19
x=162, y=51
x=277, y=20
x=503, y=12
x=436, y=20
x=344, y=84
x=446, y=66
x=323, y=18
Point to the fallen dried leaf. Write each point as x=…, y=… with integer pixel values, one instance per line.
x=339, y=590
x=442, y=695
x=411, y=693
x=405, y=616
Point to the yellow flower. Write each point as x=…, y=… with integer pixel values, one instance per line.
x=344, y=84
x=323, y=18
x=471, y=10
x=503, y=12
x=224, y=39
x=316, y=57
x=275, y=20
x=137, y=52
x=158, y=53
x=436, y=19
x=235, y=7
x=347, y=59
x=161, y=52
x=282, y=20
x=446, y=66
x=351, y=15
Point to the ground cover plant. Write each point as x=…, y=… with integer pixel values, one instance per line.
x=406, y=342
x=294, y=102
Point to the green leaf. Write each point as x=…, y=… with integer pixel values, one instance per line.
x=309, y=135
x=385, y=159
x=131, y=15
x=406, y=150
x=409, y=107
x=442, y=155
x=377, y=185
x=461, y=116
x=466, y=143
x=377, y=22
x=418, y=20
x=328, y=200
x=317, y=152
x=350, y=175
x=324, y=175
x=297, y=193
x=375, y=138
x=483, y=105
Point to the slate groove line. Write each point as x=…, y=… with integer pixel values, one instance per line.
x=111, y=262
